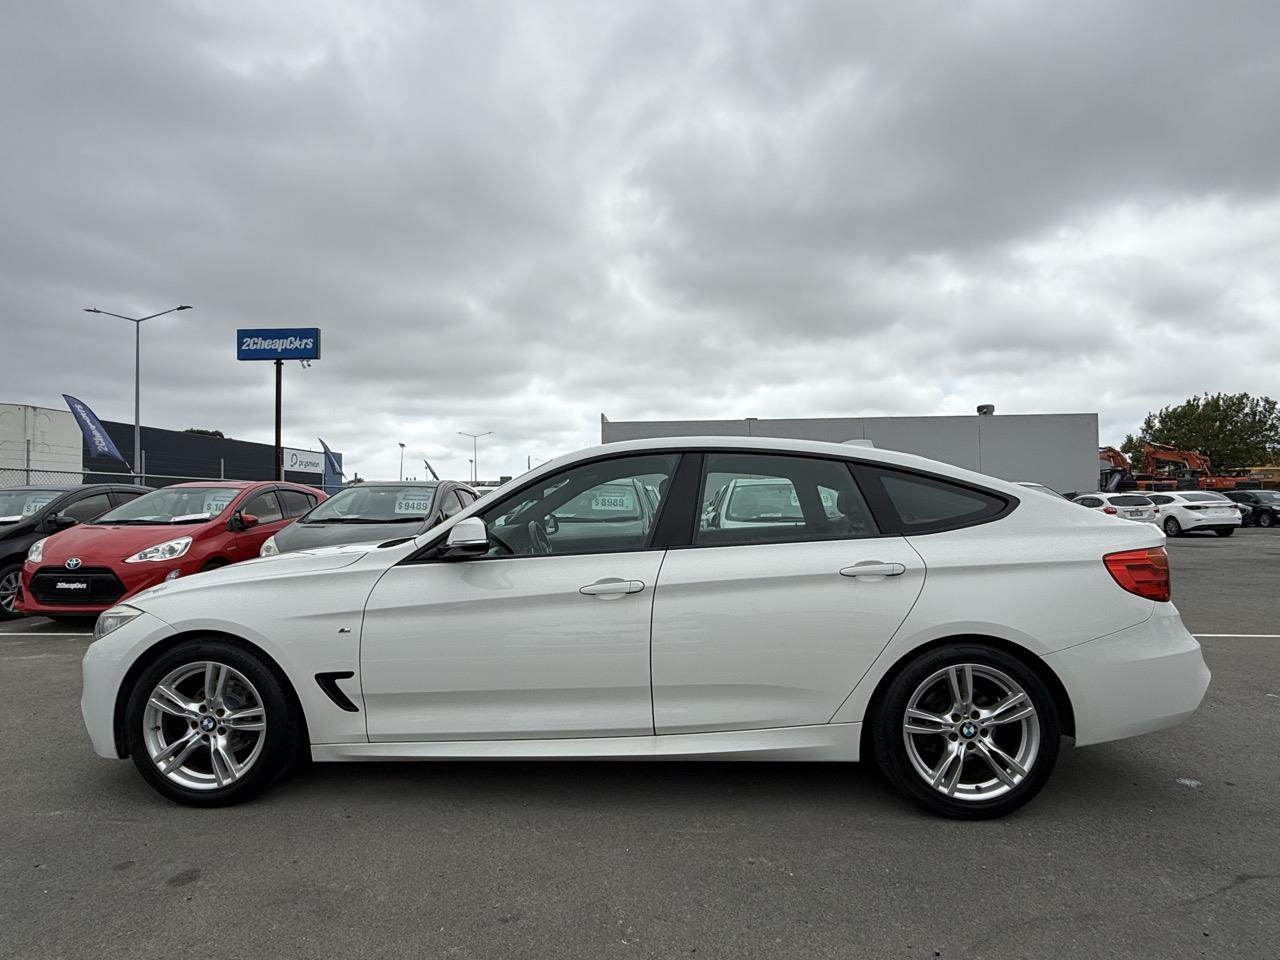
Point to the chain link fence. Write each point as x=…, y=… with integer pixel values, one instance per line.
x=23, y=477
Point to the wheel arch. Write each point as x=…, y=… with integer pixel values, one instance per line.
x=154, y=652
x=1037, y=664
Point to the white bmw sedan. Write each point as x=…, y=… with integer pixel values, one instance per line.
x=951, y=626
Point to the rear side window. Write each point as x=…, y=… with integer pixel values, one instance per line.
x=1161, y=499
x=915, y=503
x=761, y=498
x=1089, y=502
x=296, y=503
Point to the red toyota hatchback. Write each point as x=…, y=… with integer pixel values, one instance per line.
x=172, y=532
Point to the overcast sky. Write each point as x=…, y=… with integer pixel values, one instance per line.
x=514, y=216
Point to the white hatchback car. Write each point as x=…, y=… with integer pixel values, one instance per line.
x=1186, y=510
x=950, y=625
x=1126, y=506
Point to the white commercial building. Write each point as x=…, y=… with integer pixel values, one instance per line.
x=1059, y=450
x=35, y=440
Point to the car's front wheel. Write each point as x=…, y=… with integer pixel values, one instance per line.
x=1172, y=527
x=209, y=723
x=968, y=730
x=10, y=582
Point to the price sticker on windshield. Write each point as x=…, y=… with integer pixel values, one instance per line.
x=613, y=501
x=216, y=502
x=35, y=505
x=413, y=503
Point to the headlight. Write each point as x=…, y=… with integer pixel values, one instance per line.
x=114, y=619
x=169, y=550
x=269, y=549
x=36, y=553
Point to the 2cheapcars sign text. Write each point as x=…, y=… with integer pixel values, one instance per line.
x=293, y=343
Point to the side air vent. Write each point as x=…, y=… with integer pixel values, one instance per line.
x=329, y=684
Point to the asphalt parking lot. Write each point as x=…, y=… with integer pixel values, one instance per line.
x=1164, y=846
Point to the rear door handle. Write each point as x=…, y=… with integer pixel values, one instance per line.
x=611, y=587
x=874, y=568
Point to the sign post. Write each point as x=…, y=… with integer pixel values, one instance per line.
x=279, y=345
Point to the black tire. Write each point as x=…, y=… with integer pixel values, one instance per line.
x=282, y=739
x=1172, y=528
x=1266, y=519
x=7, y=575
x=1225, y=531
x=888, y=740
x=216, y=563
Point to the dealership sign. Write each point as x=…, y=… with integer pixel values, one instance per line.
x=303, y=461
x=292, y=343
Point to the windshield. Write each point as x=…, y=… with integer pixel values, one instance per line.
x=17, y=505
x=380, y=504
x=763, y=502
x=1205, y=497
x=173, y=505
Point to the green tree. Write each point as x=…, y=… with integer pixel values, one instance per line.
x=204, y=433
x=1231, y=429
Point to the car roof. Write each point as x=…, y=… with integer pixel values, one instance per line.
x=397, y=483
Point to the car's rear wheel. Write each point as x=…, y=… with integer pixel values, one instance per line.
x=10, y=582
x=209, y=723
x=967, y=730
x=1225, y=531
x=1172, y=527
x=1266, y=519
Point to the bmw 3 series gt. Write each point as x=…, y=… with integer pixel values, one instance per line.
x=952, y=627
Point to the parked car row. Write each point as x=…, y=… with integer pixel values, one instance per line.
x=1177, y=512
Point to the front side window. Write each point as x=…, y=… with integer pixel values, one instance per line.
x=598, y=507
x=265, y=507
x=919, y=503
x=173, y=505
x=760, y=498
x=88, y=508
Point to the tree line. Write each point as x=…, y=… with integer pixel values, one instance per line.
x=1231, y=429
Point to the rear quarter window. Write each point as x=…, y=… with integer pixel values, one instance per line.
x=915, y=503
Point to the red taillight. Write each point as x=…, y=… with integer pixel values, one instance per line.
x=1157, y=509
x=1142, y=572
x=1110, y=510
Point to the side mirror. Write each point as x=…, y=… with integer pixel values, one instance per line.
x=241, y=521
x=467, y=538
x=60, y=521
x=552, y=526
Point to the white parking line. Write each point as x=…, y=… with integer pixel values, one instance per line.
x=1240, y=636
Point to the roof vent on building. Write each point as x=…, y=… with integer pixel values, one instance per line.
x=986, y=409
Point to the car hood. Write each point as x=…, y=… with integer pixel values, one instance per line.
x=308, y=536
x=96, y=545
x=284, y=565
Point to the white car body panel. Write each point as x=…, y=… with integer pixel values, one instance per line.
x=1214, y=514
x=771, y=635
x=490, y=635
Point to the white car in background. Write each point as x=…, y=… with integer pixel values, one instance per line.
x=1126, y=506
x=815, y=635
x=1185, y=510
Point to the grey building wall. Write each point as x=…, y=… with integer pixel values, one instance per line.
x=1059, y=450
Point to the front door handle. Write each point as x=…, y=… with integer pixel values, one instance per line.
x=874, y=568
x=611, y=587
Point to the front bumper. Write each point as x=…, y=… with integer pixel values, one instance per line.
x=103, y=668
x=1141, y=679
x=133, y=578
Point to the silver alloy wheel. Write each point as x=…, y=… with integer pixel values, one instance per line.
x=971, y=732
x=9, y=591
x=204, y=725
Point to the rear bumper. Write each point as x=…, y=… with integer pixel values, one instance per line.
x=1194, y=522
x=1145, y=678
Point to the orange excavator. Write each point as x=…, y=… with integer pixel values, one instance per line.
x=1190, y=469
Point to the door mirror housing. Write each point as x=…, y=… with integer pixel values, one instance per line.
x=241, y=521
x=60, y=521
x=467, y=538
x=552, y=526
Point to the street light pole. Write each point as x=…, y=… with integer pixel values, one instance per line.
x=402, y=461
x=475, y=452
x=137, y=375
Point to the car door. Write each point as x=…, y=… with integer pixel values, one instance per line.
x=532, y=639
x=785, y=597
